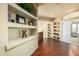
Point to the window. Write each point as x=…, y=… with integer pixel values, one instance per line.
x=74, y=29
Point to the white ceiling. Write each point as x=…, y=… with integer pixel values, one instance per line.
x=56, y=9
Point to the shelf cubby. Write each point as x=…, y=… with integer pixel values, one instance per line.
x=49, y=31
x=56, y=29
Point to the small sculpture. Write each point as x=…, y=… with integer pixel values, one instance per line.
x=22, y=33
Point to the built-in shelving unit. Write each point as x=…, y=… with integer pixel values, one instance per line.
x=49, y=31
x=22, y=30
x=56, y=30
x=21, y=23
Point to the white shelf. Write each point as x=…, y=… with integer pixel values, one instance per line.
x=56, y=35
x=57, y=32
x=19, y=10
x=17, y=42
x=16, y=25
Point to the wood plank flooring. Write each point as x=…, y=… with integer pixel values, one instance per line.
x=50, y=47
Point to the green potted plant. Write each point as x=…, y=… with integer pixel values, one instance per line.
x=26, y=6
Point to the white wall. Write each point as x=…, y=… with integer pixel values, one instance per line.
x=42, y=26
x=66, y=32
x=3, y=27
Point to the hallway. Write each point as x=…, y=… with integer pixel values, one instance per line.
x=52, y=47
x=22, y=29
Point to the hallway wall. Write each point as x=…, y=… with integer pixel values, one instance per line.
x=66, y=32
x=43, y=26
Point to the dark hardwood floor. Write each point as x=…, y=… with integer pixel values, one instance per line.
x=51, y=47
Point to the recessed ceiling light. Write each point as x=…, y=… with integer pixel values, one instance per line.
x=51, y=15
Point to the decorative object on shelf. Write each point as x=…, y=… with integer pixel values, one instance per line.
x=12, y=20
x=20, y=19
x=28, y=7
x=56, y=34
x=11, y=17
x=49, y=33
x=54, y=26
x=22, y=33
x=58, y=23
x=54, y=23
x=58, y=37
x=54, y=37
x=54, y=30
x=32, y=32
x=31, y=22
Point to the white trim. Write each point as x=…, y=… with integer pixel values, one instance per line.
x=16, y=25
x=16, y=42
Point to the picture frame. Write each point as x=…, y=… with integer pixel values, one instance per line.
x=54, y=23
x=20, y=19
